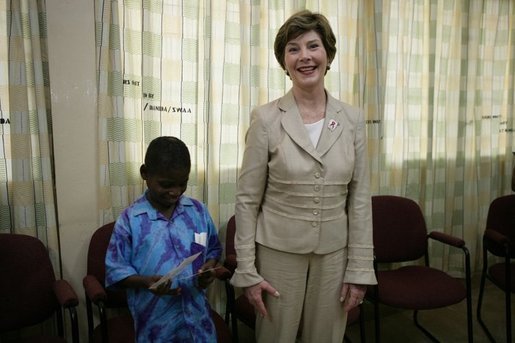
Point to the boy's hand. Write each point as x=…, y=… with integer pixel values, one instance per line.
x=206, y=273
x=164, y=288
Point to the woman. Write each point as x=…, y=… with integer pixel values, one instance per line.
x=303, y=207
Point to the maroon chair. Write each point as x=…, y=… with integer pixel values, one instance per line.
x=111, y=328
x=239, y=308
x=29, y=291
x=499, y=240
x=400, y=235
x=120, y=327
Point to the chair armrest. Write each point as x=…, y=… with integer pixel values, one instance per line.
x=496, y=237
x=458, y=243
x=65, y=294
x=94, y=290
x=447, y=239
x=230, y=263
x=69, y=300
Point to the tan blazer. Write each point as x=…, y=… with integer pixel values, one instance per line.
x=296, y=198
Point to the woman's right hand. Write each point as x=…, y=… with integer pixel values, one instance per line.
x=254, y=295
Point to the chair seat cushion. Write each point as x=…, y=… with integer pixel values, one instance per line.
x=353, y=316
x=120, y=330
x=223, y=334
x=498, y=275
x=43, y=339
x=419, y=288
x=244, y=311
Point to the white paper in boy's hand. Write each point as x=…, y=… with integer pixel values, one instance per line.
x=186, y=262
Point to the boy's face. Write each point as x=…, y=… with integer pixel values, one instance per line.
x=165, y=187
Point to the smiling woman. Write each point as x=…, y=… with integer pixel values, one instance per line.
x=304, y=199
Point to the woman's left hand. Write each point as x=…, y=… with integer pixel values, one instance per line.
x=352, y=295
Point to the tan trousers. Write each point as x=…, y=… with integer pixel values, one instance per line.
x=308, y=309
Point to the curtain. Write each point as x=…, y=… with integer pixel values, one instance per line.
x=447, y=75
x=27, y=197
x=434, y=78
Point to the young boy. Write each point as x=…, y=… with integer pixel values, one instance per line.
x=153, y=236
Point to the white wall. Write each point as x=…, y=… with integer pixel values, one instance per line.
x=71, y=46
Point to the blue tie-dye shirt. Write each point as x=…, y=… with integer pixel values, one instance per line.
x=144, y=242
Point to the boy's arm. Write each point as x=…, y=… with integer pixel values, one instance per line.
x=207, y=273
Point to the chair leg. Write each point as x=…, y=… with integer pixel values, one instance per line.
x=377, y=324
x=480, y=301
x=507, y=293
x=470, y=331
x=60, y=320
x=508, y=315
x=234, y=326
x=89, y=316
x=421, y=328
x=362, y=324
x=74, y=322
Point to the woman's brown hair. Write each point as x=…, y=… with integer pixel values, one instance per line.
x=300, y=23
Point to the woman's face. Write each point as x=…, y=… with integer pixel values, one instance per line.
x=305, y=60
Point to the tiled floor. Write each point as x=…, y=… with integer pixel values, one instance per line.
x=448, y=324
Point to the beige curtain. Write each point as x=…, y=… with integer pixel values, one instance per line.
x=27, y=199
x=447, y=123
x=434, y=77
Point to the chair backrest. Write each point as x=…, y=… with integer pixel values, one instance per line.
x=501, y=218
x=229, y=237
x=96, y=263
x=230, y=252
x=26, y=290
x=400, y=232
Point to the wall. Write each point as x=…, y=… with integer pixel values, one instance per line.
x=71, y=45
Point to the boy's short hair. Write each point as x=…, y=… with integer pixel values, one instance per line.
x=165, y=153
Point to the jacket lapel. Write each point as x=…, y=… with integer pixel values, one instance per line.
x=333, y=125
x=292, y=124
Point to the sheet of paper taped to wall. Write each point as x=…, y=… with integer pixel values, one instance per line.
x=186, y=262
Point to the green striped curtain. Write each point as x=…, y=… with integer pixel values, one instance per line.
x=27, y=199
x=447, y=81
x=434, y=78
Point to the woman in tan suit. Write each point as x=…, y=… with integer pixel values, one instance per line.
x=303, y=206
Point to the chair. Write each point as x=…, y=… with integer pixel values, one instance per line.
x=112, y=328
x=29, y=291
x=498, y=240
x=239, y=308
x=119, y=327
x=400, y=236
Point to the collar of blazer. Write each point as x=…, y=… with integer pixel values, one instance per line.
x=294, y=127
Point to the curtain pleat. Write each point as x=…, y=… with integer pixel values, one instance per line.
x=27, y=188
